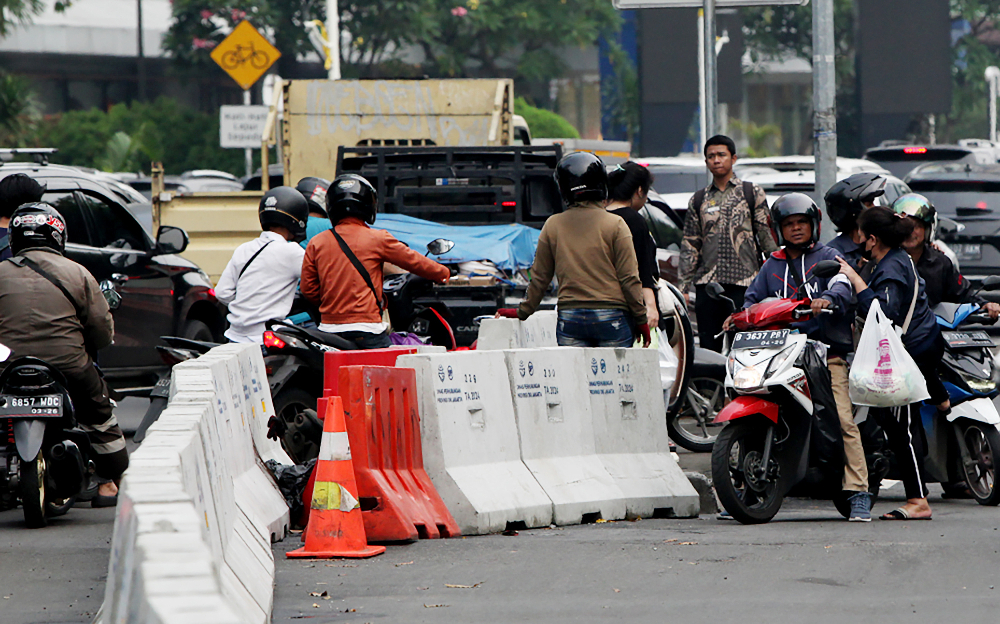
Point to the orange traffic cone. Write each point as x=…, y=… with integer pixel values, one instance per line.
x=335, y=527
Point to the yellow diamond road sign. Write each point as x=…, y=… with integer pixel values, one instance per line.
x=245, y=54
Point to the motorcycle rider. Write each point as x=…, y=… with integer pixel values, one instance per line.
x=52, y=308
x=942, y=280
x=15, y=191
x=259, y=282
x=795, y=220
x=844, y=202
x=315, y=190
x=590, y=251
x=343, y=267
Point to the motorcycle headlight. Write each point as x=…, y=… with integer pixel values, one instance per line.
x=747, y=377
x=778, y=361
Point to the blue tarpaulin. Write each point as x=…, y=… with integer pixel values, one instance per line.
x=510, y=247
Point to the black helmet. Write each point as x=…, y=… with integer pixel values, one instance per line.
x=352, y=196
x=921, y=209
x=285, y=207
x=314, y=190
x=795, y=204
x=37, y=225
x=581, y=177
x=844, y=200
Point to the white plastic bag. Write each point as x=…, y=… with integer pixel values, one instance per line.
x=883, y=373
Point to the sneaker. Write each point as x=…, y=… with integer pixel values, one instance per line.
x=724, y=515
x=861, y=507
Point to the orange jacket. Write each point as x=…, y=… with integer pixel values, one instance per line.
x=331, y=281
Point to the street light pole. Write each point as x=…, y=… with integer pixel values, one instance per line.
x=140, y=60
x=333, y=36
x=993, y=78
x=824, y=104
x=711, y=74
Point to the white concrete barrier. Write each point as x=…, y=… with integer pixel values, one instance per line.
x=556, y=432
x=501, y=334
x=631, y=434
x=470, y=442
x=197, y=509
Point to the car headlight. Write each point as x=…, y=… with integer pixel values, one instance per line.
x=747, y=378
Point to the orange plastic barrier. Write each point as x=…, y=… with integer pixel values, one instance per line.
x=398, y=500
x=333, y=360
x=335, y=527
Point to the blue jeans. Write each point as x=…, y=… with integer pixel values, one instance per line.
x=594, y=328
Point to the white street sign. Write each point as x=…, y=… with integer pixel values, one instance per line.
x=695, y=4
x=241, y=126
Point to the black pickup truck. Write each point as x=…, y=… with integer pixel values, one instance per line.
x=461, y=186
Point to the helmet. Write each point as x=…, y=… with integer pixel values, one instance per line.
x=581, y=177
x=285, y=207
x=844, y=200
x=314, y=190
x=352, y=196
x=37, y=225
x=795, y=204
x=921, y=209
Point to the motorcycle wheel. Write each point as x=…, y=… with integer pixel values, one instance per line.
x=303, y=431
x=691, y=427
x=737, y=453
x=983, y=442
x=32, y=489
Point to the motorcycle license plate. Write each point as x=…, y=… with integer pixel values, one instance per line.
x=44, y=406
x=968, y=251
x=968, y=339
x=761, y=339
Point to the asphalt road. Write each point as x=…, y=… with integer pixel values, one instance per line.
x=57, y=574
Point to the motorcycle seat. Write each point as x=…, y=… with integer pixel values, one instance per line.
x=329, y=339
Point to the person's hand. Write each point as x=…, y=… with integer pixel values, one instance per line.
x=506, y=313
x=275, y=428
x=687, y=300
x=819, y=304
x=728, y=323
x=847, y=270
x=652, y=315
x=993, y=309
x=644, y=332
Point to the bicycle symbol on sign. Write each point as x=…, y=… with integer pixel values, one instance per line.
x=243, y=53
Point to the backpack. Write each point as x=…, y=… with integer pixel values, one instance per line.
x=751, y=197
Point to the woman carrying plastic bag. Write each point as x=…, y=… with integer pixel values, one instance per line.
x=881, y=375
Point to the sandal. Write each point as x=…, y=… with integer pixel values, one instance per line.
x=901, y=514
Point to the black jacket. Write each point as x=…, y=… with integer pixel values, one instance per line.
x=942, y=281
x=892, y=282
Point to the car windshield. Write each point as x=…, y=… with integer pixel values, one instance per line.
x=671, y=180
x=961, y=198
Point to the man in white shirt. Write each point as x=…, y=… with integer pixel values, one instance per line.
x=260, y=280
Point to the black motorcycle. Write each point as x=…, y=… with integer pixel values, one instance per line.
x=44, y=456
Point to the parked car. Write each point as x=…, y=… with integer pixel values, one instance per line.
x=845, y=166
x=901, y=158
x=970, y=195
x=162, y=293
x=778, y=184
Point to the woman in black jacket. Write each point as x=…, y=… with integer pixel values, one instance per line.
x=628, y=188
x=892, y=282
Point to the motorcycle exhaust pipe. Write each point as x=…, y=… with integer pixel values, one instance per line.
x=67, y=468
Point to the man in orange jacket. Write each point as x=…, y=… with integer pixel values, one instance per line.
x=342, y=268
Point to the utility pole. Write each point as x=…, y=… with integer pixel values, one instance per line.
x=824, y=105
x=993, y=78
x=711, y=74
x=140, y=60
x=333, y=35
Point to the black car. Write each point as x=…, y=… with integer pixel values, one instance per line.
x=902, y=158
x=970, y=195
x=162, y=293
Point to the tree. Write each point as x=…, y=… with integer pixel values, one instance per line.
x=973, y=52
x=17, y=110
x=544, y=124
x=14, y=13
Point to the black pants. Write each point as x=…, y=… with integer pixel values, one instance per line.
x=904, y=427
x=367, y=340
x=96, y=417
x=711, y=314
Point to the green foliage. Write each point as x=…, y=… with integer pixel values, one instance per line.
x=18, y=12
x=129, y=137
x=765, y=140
x=544, y=124
x=17, y=110
x=620, y=95
x=973, y=53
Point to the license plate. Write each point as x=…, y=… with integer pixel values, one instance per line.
x=761, y=339
x=44, y=406
x=968, y=339
x=968, y=251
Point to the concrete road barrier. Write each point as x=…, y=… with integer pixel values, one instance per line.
x=197, y=510
x=630, y=432
x=501, y=334
x=556, y=432
x=470, y=442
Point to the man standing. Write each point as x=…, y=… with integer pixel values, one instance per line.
x=727, y=232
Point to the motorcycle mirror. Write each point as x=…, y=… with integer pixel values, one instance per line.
x=826, y=268
x=991, y=283
x=440, y=246
x=715, y=291
x=111, y=295
x=948, y=228
x=4, y=353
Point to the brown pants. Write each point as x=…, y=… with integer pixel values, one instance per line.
x=855, y=466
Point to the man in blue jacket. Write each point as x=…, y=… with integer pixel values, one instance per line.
x=788, y=273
